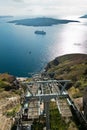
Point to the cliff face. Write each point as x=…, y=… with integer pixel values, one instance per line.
x=85, y=103
x=9, y=100
x=7, y=105
x=8, y=82
x=71, y=66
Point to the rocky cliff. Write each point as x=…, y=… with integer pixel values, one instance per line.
x=73, y=67
x=9, y=100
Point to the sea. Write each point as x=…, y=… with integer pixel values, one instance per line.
x=22, y=52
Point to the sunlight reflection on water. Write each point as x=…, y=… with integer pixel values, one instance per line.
x=17, y=41
x=73, y=39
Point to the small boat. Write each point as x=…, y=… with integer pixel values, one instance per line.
x=29, y=52
x=40, y=32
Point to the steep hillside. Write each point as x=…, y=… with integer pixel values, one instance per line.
x=73, y=67
x=8, y=82
x=9, y=100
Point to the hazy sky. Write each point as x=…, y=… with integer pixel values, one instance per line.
x=43, y=7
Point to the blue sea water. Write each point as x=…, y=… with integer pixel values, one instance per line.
x=23, y=52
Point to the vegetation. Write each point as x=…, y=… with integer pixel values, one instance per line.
x=12, y=112
x=6, y=81
x=9, y=86
x=37, y=126
x=73, y=67
x=59, y=123
x=9, y=99
x=56, y=122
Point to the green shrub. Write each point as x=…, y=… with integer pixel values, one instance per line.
x=11, y=113
x=56, y=122
x=77, y=84
x=77, y=95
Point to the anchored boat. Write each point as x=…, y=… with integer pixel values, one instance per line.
x=40, y=32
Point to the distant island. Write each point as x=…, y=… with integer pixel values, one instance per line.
x=5, y=16
x=40, y=32
x=41, y=21
x=84, y=16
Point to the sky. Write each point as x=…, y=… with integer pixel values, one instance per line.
x=43, y=7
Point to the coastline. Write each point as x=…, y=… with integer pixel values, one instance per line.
x=21, y=79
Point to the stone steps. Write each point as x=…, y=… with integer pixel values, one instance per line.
x=64, y=108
